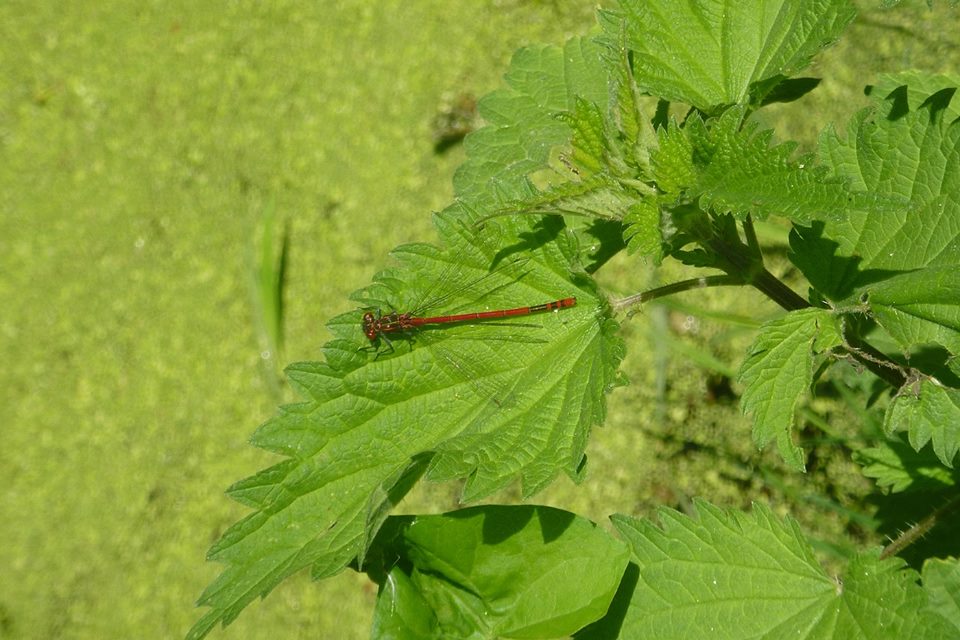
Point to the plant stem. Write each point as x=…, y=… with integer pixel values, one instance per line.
x=746, y=259
x=751, y=235
x=773, y=288
x=675, y=287
x=876, y=361
x=743, y=264
x=920, y=529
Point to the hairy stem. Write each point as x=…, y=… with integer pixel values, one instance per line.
x=675, y=287
x=920, y=529
x=876, y=361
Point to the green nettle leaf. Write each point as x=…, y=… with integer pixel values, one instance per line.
x=634, y=124
x=597, y=196
x=708, y=53
x=920, y=307
x=726, y=574
x=500, y=572
x=913, y=157
x=586, y=177
x=731, y=167
x=920, y=86
x=778, y=371
x=489, y=403
x=643, y=232
x=898, y=467
x=941, y=579
x=592, y=147
x=524, y=126
x=674, y=161
x=932, y=414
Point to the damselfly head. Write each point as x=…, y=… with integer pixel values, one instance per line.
x=370, y=326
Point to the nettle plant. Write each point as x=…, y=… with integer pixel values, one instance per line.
x=639, y=139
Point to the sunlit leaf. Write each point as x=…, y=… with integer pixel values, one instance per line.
x=524, y=126
x=931, y=414
x=729, y=167
x=778, y=372
x=708, y=53
x=500, y=572
x=731, y=575
x=941, y=579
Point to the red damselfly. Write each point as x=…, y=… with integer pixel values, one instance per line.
x=485, y=376
x=379, y=325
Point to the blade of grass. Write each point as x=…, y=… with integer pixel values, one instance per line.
x=268, y=277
